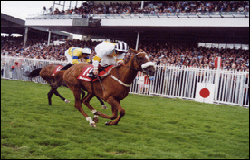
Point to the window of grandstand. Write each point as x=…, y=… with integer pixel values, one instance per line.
x=4, y=34
x=245, y=46
x=224, y=45
x=100, y=40
x=13, y=35
x=58, y=42
x=231, y=46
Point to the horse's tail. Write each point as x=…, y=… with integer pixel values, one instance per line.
x=34, y=73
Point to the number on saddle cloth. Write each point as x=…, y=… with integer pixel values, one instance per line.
x=58, y=68
x=87, y=73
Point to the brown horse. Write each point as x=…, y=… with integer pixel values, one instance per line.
x=113, y=88
x=53, y=73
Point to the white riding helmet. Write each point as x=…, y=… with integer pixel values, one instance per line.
x=86, y=50
x=121, y=46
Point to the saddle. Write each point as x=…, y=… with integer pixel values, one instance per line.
x=87, y=72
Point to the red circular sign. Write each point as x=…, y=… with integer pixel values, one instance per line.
x=204, y=92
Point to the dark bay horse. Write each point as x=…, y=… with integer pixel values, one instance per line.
x=53, y=73
x=113, y=88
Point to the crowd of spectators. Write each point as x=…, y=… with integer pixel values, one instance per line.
x=38, y=49
x=201, y=57
x=175, y=54
x=156, y=7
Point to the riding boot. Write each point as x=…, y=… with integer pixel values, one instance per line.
x=67, y=66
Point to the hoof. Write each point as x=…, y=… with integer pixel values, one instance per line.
x=93, y=124
x=67, y=101
x=96, y=119
x=104, y=107
x=106, y=123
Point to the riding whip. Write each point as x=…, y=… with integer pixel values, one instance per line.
x=100, y=82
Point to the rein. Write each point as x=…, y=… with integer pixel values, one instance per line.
x=126, y=85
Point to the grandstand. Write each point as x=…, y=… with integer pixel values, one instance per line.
x=165, y=36
x=208, y=27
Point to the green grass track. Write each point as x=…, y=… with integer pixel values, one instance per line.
x=152, y=128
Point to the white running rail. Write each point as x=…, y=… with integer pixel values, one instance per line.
x=231, y=87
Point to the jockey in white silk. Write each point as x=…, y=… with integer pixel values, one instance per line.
x=109, y=54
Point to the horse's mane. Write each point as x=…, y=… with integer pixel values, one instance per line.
x=128, y=59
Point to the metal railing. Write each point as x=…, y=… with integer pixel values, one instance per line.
x=231, y=87
x=158, y=15
x=11, y=70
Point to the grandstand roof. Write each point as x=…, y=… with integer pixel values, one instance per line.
x=11, y=25
x=195, y=34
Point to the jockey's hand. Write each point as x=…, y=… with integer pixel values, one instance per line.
x=120, y=63
x=95, y=72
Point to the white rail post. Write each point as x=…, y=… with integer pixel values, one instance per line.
x=242, y=89
x=49, y=38
x=137, y=42
x=217, y=77
x=25, y=36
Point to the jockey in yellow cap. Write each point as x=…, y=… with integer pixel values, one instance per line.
x=74, y=54
x=109, y=54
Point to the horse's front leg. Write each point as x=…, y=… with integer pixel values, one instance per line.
x=114, y=114
x=85, y=101
x=78, y=105
x=115, y=105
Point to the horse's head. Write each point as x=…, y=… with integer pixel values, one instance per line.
x=141, y=62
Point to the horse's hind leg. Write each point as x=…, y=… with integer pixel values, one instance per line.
x=58, y=94
x=50, y=94
x=83, y=94
x=102, y=103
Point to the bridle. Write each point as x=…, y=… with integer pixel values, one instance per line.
x=134, y=59
x=136, y=69
x=143, y=66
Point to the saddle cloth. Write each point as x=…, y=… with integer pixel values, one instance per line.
x=87, y=76
x=58, y=68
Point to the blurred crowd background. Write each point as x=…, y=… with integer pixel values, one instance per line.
x=176, y=54
x=155, y=7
